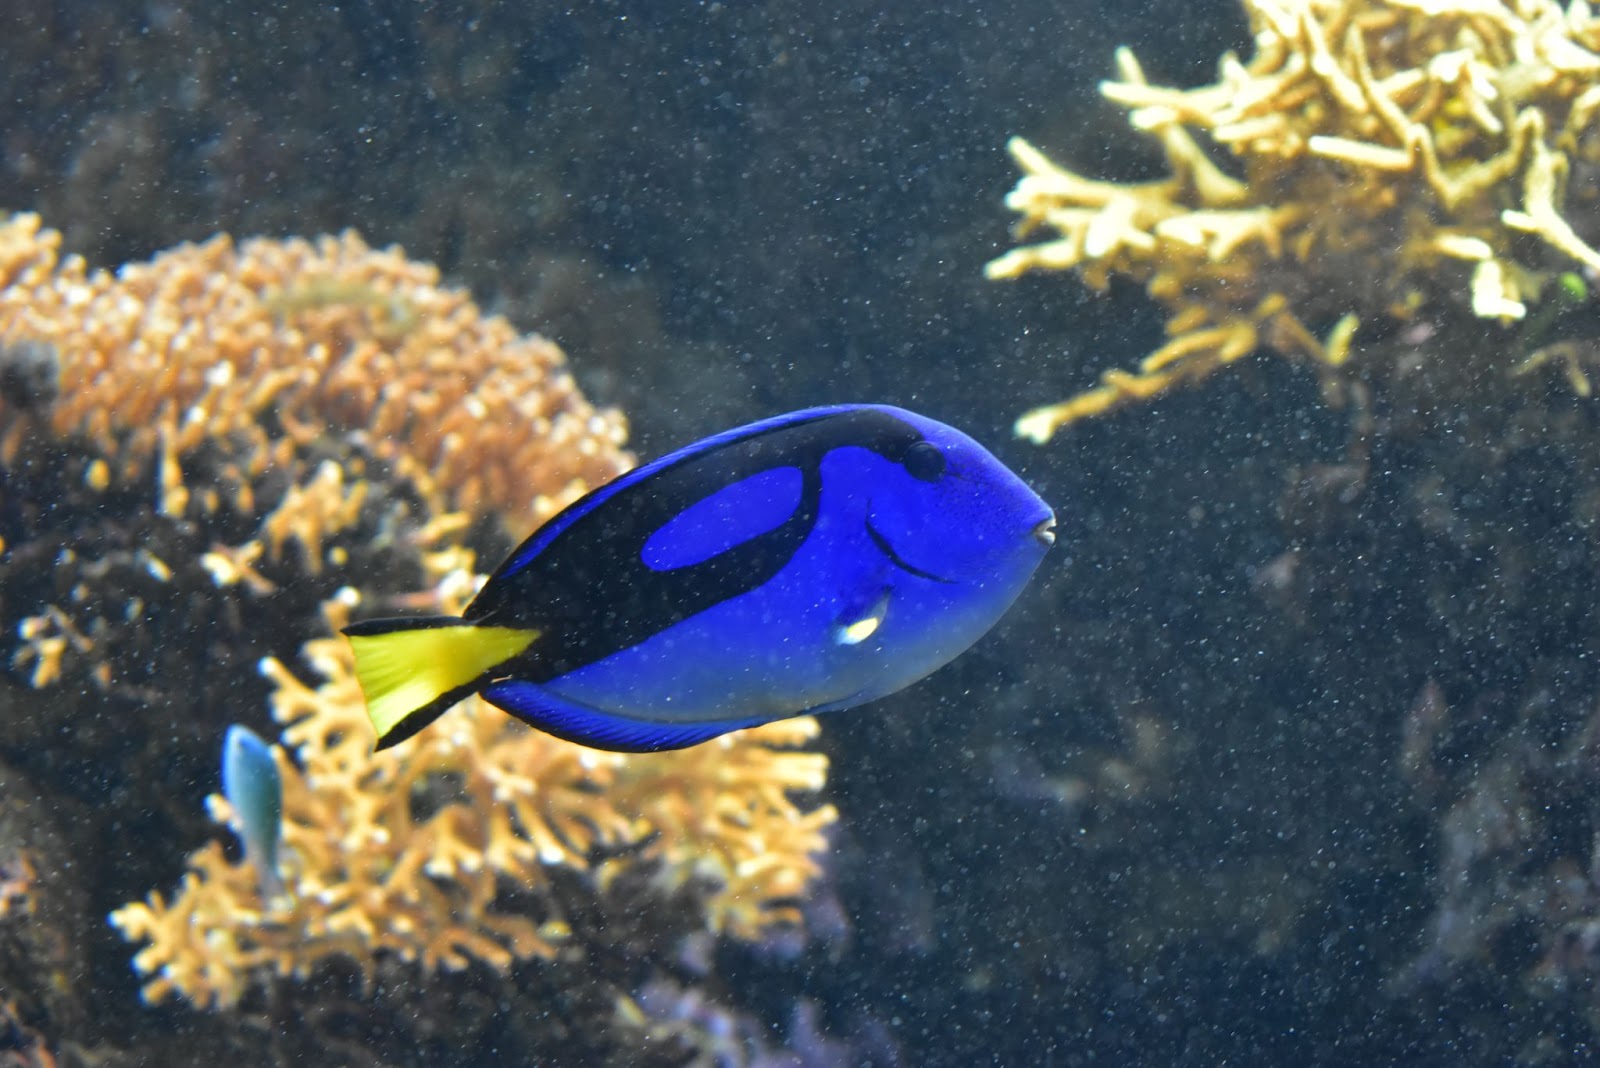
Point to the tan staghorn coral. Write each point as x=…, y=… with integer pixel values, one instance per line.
x=441, y=852
x=308, y=514
x=187, y=436
x=255, y=392
x=269, y=345
x=1394, y=155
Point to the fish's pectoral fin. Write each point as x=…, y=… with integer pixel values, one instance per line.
x=412, y=670
x=860, y=621
x=538, y=707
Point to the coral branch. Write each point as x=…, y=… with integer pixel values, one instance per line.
x=442, y=852
x=1380, y=142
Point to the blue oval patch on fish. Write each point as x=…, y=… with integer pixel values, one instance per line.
x=806, y=563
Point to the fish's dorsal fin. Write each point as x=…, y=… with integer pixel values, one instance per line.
x=540, y=708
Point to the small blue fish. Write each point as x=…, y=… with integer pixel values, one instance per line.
x=806, y=563
x=254, y=788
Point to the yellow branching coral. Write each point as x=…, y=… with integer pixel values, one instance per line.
x=263, y=416
x=281, y=418
x=46, y=638
x=270, y=383
x=267, y=345
x=1393, y=153
x=308, y=514
x=440, y=851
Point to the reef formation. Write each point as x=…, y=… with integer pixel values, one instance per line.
x=205, y=459
x=441, y=851
x=1374, y=162
x=1399, y=195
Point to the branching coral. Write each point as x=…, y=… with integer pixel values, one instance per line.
x=1393, y=154
x=254, y=392
x=194, y=453
x=266, y=346
x=441, y=852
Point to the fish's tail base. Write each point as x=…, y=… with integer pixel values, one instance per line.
x=412, y=670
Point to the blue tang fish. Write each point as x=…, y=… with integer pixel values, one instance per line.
x=805, y=563
x=254, y=788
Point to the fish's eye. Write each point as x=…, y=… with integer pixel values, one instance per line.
x=924, y=461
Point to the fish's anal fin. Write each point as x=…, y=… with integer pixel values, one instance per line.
x=573, y=722
x=412, y=670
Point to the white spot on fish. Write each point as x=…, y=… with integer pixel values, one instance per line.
x=856, y=631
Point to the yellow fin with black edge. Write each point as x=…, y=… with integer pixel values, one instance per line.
x=407, y=667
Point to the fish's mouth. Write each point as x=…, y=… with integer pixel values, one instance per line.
x=1045, y=532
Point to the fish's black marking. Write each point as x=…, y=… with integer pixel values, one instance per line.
x=581, y=581
x=899, y=561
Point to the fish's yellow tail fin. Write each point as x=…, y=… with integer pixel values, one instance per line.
x=412, y=670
